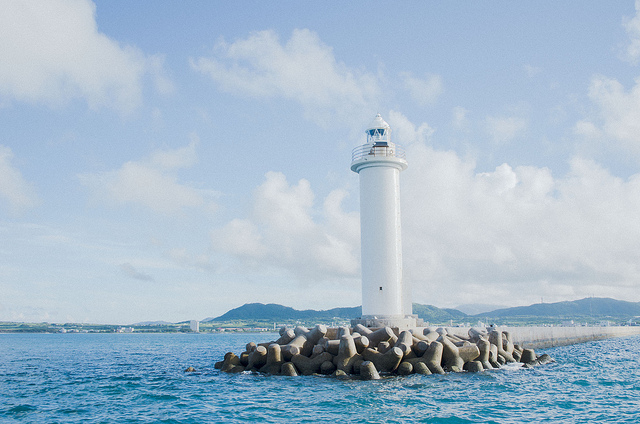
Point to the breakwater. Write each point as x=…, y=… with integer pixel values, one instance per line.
x=545, y=337
x=369, y=353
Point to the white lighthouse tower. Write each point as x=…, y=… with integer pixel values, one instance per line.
x=386, y=299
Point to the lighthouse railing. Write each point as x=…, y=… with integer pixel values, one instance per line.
x=373, y=149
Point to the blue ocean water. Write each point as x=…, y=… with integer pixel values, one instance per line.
x=139, y=378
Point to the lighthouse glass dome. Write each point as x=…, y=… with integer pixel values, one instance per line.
x=378, y=145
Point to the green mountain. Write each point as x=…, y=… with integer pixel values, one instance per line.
x=431, y=313
x=593, y=307
x=588, y=307
x=275, y=312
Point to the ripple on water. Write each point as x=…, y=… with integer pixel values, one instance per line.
x=140, y=378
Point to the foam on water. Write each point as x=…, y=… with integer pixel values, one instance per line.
x=141, y=378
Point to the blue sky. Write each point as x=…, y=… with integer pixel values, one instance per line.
x=176, y=160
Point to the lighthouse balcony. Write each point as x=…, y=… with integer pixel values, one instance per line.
x=380, y=148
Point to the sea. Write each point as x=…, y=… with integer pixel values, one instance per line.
x=141, y=378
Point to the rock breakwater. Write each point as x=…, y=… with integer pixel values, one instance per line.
x=368, y=354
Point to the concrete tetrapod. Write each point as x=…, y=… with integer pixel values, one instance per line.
x=384, y=362
x=517, y=353
x=430, y=334
x=274, y=360
x=476, y=334
x=528, y=356
x=294, y=347
x=383, y=347
x=421, y=347
x=317, y=350
x=484, y=347
x=433, y=357
x=450, y=355
x=331, y=346
x=468, y=352
x=472, y=350
x=473, y=366
x=257, y=358
x=493, y=356
x=405, y=368
x=347, y=355
x=362, y=342
x=368, y=371
x=327, y=367
x=285, y=336
x=383, y=334
x=289, y=370
x=421, y=368
x=313, y=337
x=231, y=363
x=495, y=337
x=404, y=343
x=308, y=366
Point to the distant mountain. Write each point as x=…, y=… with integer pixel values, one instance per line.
x=591, y=306
x=430, y=313
x=274, y=312
x=151, y=323
x=478, y=308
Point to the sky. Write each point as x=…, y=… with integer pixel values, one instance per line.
x=174, y=160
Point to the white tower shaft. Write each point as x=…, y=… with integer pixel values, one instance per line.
x=382, y=289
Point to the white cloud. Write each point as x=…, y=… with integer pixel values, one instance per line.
x=632, y=26
x=516, y=234
x=18, y=193
x=617, y=113
x=286, y=232
x=508, y=236
x=52, y=52
x=303, y=69
x=405, y=132
x=425, y=91
x=587, y=129
x=460, y=119
x=505, y=128
x=152, y=183
x=532, y=71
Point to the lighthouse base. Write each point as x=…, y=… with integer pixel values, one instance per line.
x=401, y=323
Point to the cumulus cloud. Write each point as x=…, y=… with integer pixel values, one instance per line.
x=405, y=131
x=152, y=182
x=52, y=52
x=288, y=232
x=617, y=112
x=632, y=26
x=516, y=234
x=505, y=128
x=425, y=90
x=460, y=119
x=303, y=69
x=587, y=129
x=17, y=192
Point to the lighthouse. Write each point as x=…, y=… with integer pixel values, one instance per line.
x=386, y=298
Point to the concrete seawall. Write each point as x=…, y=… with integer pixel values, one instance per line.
x=545, y=337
